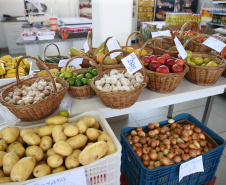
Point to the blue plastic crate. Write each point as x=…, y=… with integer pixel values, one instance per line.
x=138, y=174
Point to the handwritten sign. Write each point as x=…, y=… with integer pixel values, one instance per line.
x=76, y=177
x=86, y=47
x=214, y=44
x=74, y=62
x=161, y=33
x=192, y=166
x=112, y=44
x=132, y=63
x=180, y=48
x=159, y=26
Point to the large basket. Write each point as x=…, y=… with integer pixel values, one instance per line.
x=222, y=55
x=205, y=75
x=163, y=82
x=50, y=65
x=118, y=100
x=44, y=107
x=85, y=91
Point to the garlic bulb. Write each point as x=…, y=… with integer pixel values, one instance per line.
x=28, y=100
x=7, y=98
x=11, y=94
x=131, y=88
x=24, y=93
x=16, y=98
x=12, y=101
x=46, y=92
x=139, y=79
x=120, y=75
x=99, y=83
x=20, y=102
x=114, y=88
x=113, y=80
x=40, y=87
x=136, y=85
x=31, y=93
x=125, y=88
x=99, y=87
x=133, y=81
x=138, y=74
x=126, y=75
x=113, y=72
x=107, y=80
x=125, y=81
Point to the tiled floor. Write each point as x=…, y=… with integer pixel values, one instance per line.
x=217, y=122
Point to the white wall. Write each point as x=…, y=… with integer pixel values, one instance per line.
x=207, y=4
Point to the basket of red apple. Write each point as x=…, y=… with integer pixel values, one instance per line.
x=164, y=72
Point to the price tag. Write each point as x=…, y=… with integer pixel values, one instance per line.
x=66, y=178
x=159, y=26
x=86, y=47
x=214, y=44
x=132, y=63
x=161, y=33
x=192, y=166
x=180, y=48
x=112, y=44
x=74, y=62
x=144, y=25
x=66, y=104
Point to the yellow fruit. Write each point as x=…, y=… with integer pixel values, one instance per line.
x=14, y=71
x=10, y=64
x=64, y=113
x=2, y=69
x=56, y=74
x=9, y=67
x=69, y=68
x=110, y=61
x=192, y=63
x=144, y=52
x=198, y=61
x=42, y=73
x=204, y=64
x=129, y=49
x=75, y=51
x=207, y=60
x=212, y=63
x=192, y=59
x=54, y=70
x=6, y=58
x=100, y=56
x=14, y=60
x=12, y=75
x=98, y=49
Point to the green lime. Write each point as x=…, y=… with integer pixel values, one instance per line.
x=84, y=73
x=88, y=75
x=78, y=83
x=64, y=113
x=67, y=74
x=90, y=70
x=71, y=81
x=74, y=74
x=94, y=72
x=89, y=81
x=85, y=81
x=61, y=75
x=80, y=76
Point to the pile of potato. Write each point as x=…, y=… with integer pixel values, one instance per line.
x=55, y=147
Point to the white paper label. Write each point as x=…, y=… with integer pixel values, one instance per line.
x=86, y=47
x=144, y=25
x=112, y=44
x=74, y=62
x=192, y=166
x=76, y=177
x=159, y=26
x=161, y=33
x=132, y=63
x=214, y=44
x=180, y=48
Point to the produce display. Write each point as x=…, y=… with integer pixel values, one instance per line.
x=169, y=144
x=52, y=148
x=55, y=72
x=8, y=66
x=163, y=64
x=119, y=82
x=55, y=60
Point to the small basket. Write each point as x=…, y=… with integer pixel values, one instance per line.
x=205, y=75
x=43, y=108
x=163, y=82
x=50, y=65
x=118, y=100
x=85, y=91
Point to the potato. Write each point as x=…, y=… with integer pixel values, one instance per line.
x=93, y=152
x=46, y=143
x=2, y=173
x=92, y=134
x=26, y=130
x=51, y=152
x=59, y=169
x=104, y=132
x=35, y=152
x=77, y=141
x=3, y=145
x=36, y=129
x=112, y=148
x=82, y=126
x=66, y=124
x=31, y=138
x=4, y=180
x=45, y=131
x=89, y=120
x=54, y=161
x=58, y=133
x=56, y=120
x=2, y=153
x=96, y=125
x=41, y=170
x=16, y=147
x=71, y=131
x=20, y=140
x=62, y=148
x=9, y=160
x=10, y=134
x=72, y=160
x=74, y=124
x=22, y=169
x=2, y=131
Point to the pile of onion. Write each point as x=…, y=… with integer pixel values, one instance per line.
x=168, y=144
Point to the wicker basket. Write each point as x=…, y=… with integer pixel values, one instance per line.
x=50, y=65
x=118, y=100
x=43, y=108
x=222, y=55
x=163, y=82
x=85, y=91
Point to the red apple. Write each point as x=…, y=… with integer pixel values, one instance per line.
x=162, y=69
x=153, y=65
x=153, y=58
x=146, y=60
x=166, y=56
x=170, y=63
x=180, y=61
x=177, y=68
x=161, y=60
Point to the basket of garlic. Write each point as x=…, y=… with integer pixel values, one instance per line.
x=34, y=98
x=116, y=88
x=85, y=91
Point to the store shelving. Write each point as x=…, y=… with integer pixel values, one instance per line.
x=218, y=2
x=216, y=24
x=218, y=13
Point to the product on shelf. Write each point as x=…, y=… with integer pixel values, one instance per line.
x=219, y=19
x=181, y=18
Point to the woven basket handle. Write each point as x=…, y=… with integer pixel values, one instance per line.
x=46, y=49
x=89, y=40
x=42, y=64
x=106, y=43
x=189, y=23
x=127, y=41
x=167, y=28
x=222, y=52
x=80, y=56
